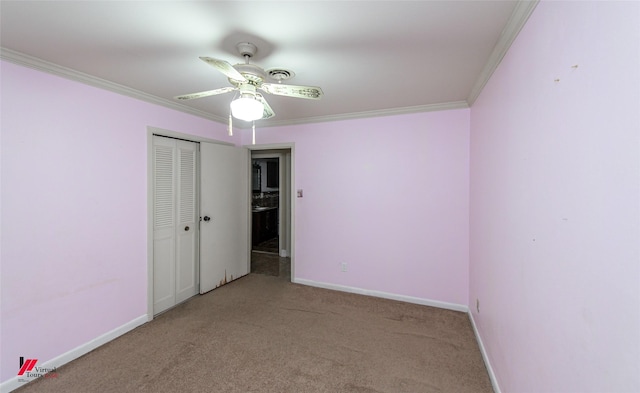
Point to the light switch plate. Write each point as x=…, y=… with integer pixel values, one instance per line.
x=299, y=193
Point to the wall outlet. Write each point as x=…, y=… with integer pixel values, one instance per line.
x=343, y=266
x=478, y=306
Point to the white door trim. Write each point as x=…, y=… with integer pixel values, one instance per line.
x=292, y=194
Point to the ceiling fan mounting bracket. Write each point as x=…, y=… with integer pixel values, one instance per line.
x=246, y=49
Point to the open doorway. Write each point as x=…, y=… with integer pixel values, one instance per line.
x=265, y=204
x=271, y=212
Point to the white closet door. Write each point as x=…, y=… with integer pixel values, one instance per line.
x=175, y=235
x=187, y=230
x=164, y=224
x=224, y=207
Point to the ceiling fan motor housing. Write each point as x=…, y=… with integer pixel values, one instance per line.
x=252, y=71
x=253, y=74
x=247, y=90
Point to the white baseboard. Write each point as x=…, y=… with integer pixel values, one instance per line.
x=385, y=295
x=485, y=357
x=14, y=383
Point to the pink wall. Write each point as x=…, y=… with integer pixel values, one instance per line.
x=554, y=208
x=554, y=172
x=388, y=196
x=74, y=211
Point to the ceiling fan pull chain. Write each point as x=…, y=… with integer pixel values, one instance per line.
x=253, y=132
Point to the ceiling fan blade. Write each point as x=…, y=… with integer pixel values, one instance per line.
x=205, y=93
x=224, y=67
x=268, y=112
x=309, y=92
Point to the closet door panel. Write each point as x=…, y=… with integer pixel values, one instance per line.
x=224, y=200
x=187, y=229
x=164, y=224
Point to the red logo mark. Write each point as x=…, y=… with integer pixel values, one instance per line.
x=27, y=366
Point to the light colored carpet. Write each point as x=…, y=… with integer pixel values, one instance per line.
x=264, y=334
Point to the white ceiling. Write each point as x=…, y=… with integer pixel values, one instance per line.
x=369, y=57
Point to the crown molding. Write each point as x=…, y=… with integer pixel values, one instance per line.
x=368, y=114
x=516, y=21
x=45, y=66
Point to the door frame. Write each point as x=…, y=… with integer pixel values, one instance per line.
x=292, y=193
x=151, y=131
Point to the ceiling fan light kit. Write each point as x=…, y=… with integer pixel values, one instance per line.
x=247, y=109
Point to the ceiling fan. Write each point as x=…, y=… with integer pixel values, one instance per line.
x=247, y=79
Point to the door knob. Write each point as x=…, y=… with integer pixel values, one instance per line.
x=207, y=218
x=186, y=228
